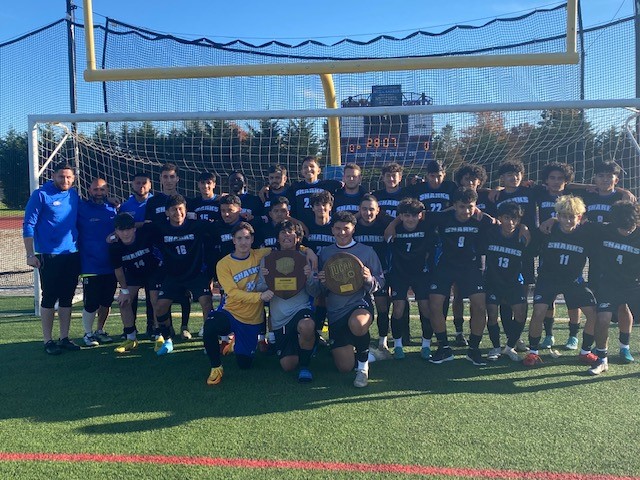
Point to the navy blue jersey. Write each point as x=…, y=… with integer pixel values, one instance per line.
x=319, y=237
x=266, y=233
x=461, y=241
x=347, y=202
x=410, y=248
x=484, y=203
x=564, y=255
x=156, y=208
x=388, y=202
x=252, y=204
x=526, y=198
x=137, y=259
x=272, y=197
x=205, y=208
x=435, y=200
x=503, y=257
x=617, y=256
x=373, y=236
x=599, y=206
x=300, y=197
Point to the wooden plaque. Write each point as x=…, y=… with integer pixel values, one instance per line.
x=286, y=272
x=343, y=273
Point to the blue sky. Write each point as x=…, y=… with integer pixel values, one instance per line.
x=291, y=20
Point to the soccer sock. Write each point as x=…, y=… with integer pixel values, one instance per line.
x=514, y=334
x=406, y=334
x=130, y=332
x=271, y=338
x=426, y=342
x=443, y=341
x=602, y=353
x=458, y=324
x=261, y=337
x=363, y=365
x=87, y=321
x=494, y=334
x=361, y=344
x=211, y=345
x=399, y=326
x=382, y=342
x=164, y=330
x=383, y=323
x=506, y=313
x=185, y=304
x=304, y=357
x=574, y=328
x=548, y=326
x=397, y=342
x=534, y=343
x=474, y=341
x=427, y=329
x=624, y=339
x=587, y=342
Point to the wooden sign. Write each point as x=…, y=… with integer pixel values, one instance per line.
x=286, y=272
x=343, y=274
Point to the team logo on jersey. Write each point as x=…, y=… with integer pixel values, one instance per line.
x=604, y=305
x=538, y=297
x=433, y=286
x=493, y=297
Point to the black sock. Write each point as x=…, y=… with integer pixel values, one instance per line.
x=443, y=341
x=587, y=341
x=548, y=326
x=494, y=334
x=128, y=330
x=573, y=329
x=624, y=338
x=185, y=304
x=458, y=323
x=474, y=341
x=304, y=357
x=427, y=329
x=602, y=353
x=506, y=313
x=534, y=342
x=361, y=344
x=514, y=335
x=383, y=324
x=399, y=326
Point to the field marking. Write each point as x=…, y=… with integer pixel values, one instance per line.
x=303, y=465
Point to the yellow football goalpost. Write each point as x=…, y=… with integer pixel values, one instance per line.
x=325, y=69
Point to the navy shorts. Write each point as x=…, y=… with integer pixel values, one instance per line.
x=339, y=331
x=401, y=282
x=506, y=295
x=469, y=281
x=287, y=336
x=576, y=294
x=175, y=290
x=613, y=296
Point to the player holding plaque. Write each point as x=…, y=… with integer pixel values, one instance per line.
x=349, y=300
x=290, y=309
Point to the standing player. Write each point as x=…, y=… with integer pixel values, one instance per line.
x=292, y=319
x=618, y=257
x=50, y=233
x=460, y=233
x=350, y=316
x=435, y=194
x=207, y=205
x=347, y=199
x=320, y=233
x=135, y=266
x=411, y=246
x=370, y=231
x=276, y=187
x=251, y=204
x=563, y=255
x=504, y=249
x=95, y=223
x=389, y=197
x=300, y=192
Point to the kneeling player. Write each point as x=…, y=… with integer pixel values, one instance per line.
x=135, y=267
x=504, y=283
x=350, y=316
x=563, y=254
x=292, y=319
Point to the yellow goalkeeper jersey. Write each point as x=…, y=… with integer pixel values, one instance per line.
x=238, y=280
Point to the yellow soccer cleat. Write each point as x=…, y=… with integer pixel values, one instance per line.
x=158, y=343
x=126, y=346
x=215, y=377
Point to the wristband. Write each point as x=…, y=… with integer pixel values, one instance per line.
x=125, y=291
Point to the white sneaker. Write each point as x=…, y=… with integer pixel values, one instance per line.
x=379, y=354
x=362, y=379
x=511, y=353
x=90, y=340
x=521, y=346
x=601, y=366
x=494, y=354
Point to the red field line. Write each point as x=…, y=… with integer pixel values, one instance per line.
x=247, y=463
x=10, y=223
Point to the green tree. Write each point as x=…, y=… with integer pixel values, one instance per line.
x=14, y=169
x=300, y=139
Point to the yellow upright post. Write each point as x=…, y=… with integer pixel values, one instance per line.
x=334, y=123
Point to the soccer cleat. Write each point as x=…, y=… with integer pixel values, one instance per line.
x=379, y=354
x=215, y=377
x=229, y=347
x=362, y=379
x=185, y=334
x=102, y=337
x=626, y=356
x=90, y=340
x=398, y=353
x=66, y=344
x=588, y=358
x=322, y=342
x=548, y=342
x=511, y=353
x=601, y=366
x=443, y=354
x=167, y=347
x=126, y=346
x=572, y=343
x=494, y=354
x=475, y=357
x=157, y=344
x=52, y=348
x=521, y=346
x=304, y=375
x=531, y=359
x=461, y=340
x=425, y=352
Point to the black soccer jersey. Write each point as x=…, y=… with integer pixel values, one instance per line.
x=526, y=198
x=410, y=248
x=347, y=202
x=563, y=255
x=137, y=259
x=266, y=234
x=546, y=203
x=434, y=199
x=373, y=235
x=599, y=206
x=300, y=197
x=503, y=258
x=461, y=241
x=388, y=202
x=272, y=197
x=618, y=257
x=484, y=203
x=252, y=204
x=205, y=209
x=223, y=239
x=182, y=247
x=155, y=210
x=319, y=236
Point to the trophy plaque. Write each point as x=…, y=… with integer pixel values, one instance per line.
x=286, y=272
x=343, y=274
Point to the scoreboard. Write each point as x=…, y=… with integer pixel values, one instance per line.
x=385, y=138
